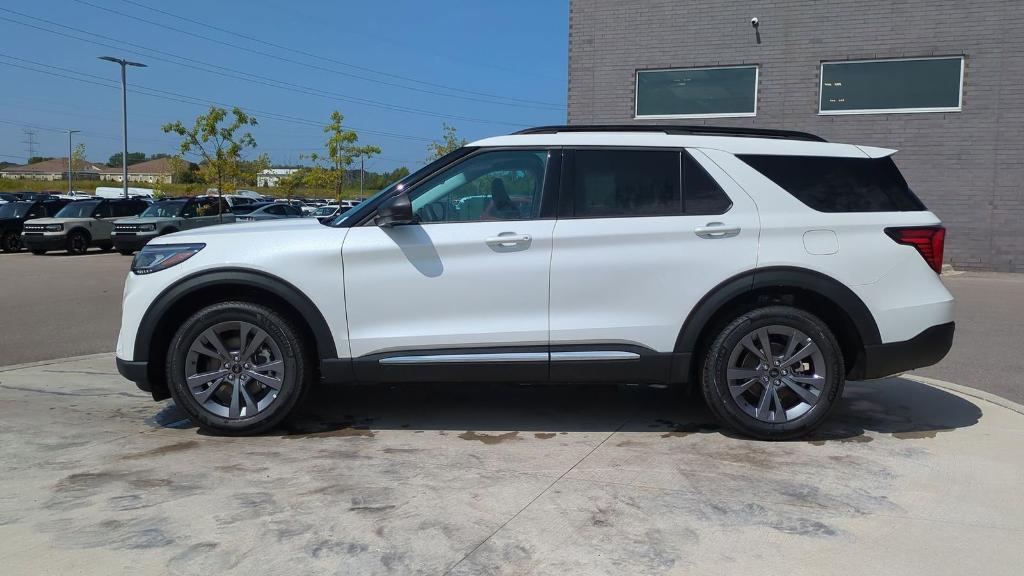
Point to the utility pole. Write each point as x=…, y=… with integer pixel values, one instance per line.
x=361, y=172
x=71, y=164
x=30, y=142
x=124, y=114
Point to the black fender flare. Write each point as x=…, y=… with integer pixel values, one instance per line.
x=81, y=229
x=281, y=288
x=777, y=277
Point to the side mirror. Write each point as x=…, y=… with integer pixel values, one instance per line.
x=395, y=211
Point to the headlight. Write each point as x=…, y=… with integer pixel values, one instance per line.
x=147, y=227
x=54, y=227
x=156, y=258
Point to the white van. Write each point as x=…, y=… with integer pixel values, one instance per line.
x=110, y=192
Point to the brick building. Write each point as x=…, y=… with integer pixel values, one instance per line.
x=939, y=80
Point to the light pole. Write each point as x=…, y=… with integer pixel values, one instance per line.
x=124, y=114
x=71, y=164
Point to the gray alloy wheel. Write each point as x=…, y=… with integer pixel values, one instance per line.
x=234, y=370
x=776, y=373
x=77, y=243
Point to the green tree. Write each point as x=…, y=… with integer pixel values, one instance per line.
x=449, y=142
x=219, y=146
x=342, y=150
x=35, y=159
x=78, y=161
x=133, y=158
x=290, y=183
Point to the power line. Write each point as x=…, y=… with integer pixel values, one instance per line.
x=30, y=142
x=238, y=74
x=477, y=96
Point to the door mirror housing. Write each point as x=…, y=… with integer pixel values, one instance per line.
x=395, y=211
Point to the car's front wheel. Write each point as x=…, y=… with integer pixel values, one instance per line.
x=773, y=373
x=11, y=242
x=237, y=368
x=77, y=243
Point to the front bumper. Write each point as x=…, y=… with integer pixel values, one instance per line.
x=44, y=242
x=925, y=349
x=130, y=241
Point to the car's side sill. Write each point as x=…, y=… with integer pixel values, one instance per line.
x=466, y=358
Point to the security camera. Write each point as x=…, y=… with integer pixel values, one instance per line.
x=754, y=22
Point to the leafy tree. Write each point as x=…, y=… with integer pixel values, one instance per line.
x=449, y=142
x=78, y=161
x=290, y=183
x=35, y=159
x=342, y=150
x=133, y=158
x=219, y=146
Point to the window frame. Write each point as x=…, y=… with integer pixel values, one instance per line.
x=861, y=111
x=636, y=93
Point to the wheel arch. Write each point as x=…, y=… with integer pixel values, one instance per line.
x=845, y=313
x=79, y=229
x=186, y=296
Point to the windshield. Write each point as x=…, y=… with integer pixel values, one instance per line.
x=77, y=210
x=164, y=209
x=15, y=209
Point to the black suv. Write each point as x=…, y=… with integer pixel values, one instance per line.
x=14, y=214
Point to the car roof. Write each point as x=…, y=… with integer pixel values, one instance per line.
x=753, y=141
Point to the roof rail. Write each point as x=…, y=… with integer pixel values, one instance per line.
x=676, y=129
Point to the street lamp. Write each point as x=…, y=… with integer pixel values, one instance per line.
x=124, y=115
x=71, y=164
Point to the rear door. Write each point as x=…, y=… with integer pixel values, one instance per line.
x=463, y=293
x=642, y=236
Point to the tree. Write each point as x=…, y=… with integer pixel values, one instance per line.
x=290, y=183
x=78, y=161
x=133, y=158
x=342, y=150
x=449, y=142
x=218, y=146
x=35, y=159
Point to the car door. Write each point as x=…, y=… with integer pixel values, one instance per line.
x=459, y=295
x=642, y=236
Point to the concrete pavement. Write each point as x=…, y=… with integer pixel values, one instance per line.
x=907, y=478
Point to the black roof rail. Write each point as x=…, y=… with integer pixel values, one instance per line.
x=679, y=129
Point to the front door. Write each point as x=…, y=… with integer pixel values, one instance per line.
x=463, y=293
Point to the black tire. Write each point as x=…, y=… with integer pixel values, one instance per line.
x=77, y=243
x=297, y=367
x=126, y=252
x=38, y=251
x=728, y=346
x=106, y=246
x=10, y=242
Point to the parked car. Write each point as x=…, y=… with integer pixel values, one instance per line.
x=763, y=266
x=6, y=197
x=271, y=211
x=79, y=225
x=306, y=209
x=14, y=214
x=166, y=217
x=326, y=212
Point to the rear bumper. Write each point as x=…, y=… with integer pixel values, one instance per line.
x=925, y=349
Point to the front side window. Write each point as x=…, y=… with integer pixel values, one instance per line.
x=886, y=86
x=697, y=92
x=501, y=185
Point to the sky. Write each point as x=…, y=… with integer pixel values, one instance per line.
x=397, y=70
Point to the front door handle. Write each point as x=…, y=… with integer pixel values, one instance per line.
x=715, y=230
x=508, y=239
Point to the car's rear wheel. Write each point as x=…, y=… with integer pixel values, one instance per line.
x=38, y=252
x=127, y=252
x=237, y=368
x=773, y=373
x=77, y=243
x=10, y=242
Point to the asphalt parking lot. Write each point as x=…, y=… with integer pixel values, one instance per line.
x=906, y=478
x=56, y=306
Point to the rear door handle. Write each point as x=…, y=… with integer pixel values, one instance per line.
x=715, y=230
x=508, y=239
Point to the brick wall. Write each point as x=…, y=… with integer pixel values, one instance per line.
x=967, y=166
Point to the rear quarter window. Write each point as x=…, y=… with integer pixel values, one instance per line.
x=829, y=184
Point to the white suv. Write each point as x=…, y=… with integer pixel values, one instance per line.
x=765, y=266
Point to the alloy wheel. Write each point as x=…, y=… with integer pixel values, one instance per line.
x=11, y=242
x=776, y=373
x=234, y=370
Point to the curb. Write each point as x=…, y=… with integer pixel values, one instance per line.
x=968, y=391
x=54, y=361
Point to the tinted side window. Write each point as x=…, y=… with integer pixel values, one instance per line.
x=610, y=183
x=102, y=210
x=701, y=194
x=831, y=184
x=276, y=209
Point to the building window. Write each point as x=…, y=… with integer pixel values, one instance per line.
x=888, y=86
x=697, y=92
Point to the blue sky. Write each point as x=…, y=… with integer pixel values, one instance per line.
x=396, y=67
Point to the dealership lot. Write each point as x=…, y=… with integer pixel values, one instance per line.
x=907, y=478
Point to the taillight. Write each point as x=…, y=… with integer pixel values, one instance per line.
x=929, y=241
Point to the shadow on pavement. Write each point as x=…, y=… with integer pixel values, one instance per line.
x=904, y=408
